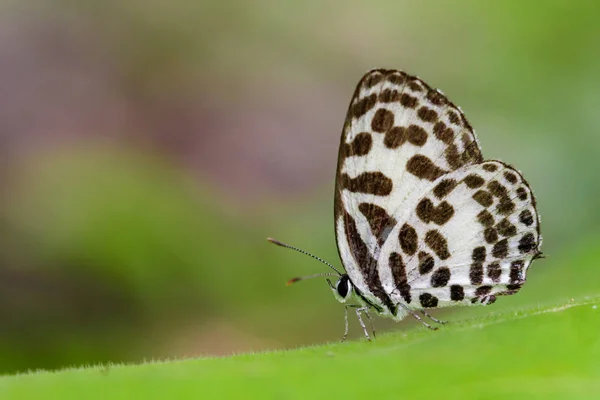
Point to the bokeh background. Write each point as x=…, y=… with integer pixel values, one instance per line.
x=147, y=148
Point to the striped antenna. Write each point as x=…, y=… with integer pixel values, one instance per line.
x=301, y=278
x=278, y=243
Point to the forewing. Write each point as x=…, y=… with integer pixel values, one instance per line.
x=399, y=137
x=470, y=238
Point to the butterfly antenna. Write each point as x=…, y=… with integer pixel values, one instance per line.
x=278, y=243
x=301, y=278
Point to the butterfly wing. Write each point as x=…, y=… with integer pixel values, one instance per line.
x=470, y=238
x=399, y=137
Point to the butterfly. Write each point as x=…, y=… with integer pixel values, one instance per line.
x=422, y=221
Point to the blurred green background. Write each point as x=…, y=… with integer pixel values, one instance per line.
x=147, y=148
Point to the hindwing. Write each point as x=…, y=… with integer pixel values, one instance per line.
x=471, y=237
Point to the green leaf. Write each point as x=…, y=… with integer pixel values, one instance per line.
x=541, y=352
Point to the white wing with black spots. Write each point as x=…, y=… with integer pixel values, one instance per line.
x=421, y=220
x=400, y=135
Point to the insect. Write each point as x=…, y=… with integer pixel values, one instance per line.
x=422, y=221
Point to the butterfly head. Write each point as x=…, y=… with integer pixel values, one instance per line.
x=342, y=290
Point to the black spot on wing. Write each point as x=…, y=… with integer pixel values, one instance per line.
x=422, y=167
x=399, y=274
x=522, y=193
x=389, y=96
x=440, y=214
x=428, y=300
x=382, y=121
x=444, y=188
x=426, y=263
x=427, y=114
x=360, y=146
x=494, y=272
x=437, y=242
x=490, y=167
x=526, y=217
x=478, y=254
x=490, y=235
x=484, y=198
x=440, y=277
x=476, y=273
x=500, y=249
x=457, y=293
x=408, y=101
x=527, y=243
x=408, y=238
x=362, y=106
x=473, y=181
x=485, y=218
x=416, y=135
x=510, y=177
x=368, y=182
x=516, y=272
x=505, y=228
x=395, y=137
x=443, y=133
x=372, y=79
x=380, y=222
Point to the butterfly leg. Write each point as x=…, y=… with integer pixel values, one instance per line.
x=346, y=322
x=371, y=322
x=431, y=317
x=358, y=311
x=414, y=314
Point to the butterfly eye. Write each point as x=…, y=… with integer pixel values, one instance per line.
x=343, y=286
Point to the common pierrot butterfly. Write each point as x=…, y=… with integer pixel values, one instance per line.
x=421, y=219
